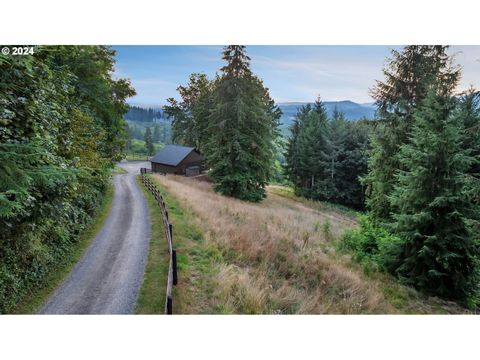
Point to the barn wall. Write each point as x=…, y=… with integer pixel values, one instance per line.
x=192, y=159
x=161, y=168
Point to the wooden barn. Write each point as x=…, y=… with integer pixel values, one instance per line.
x=180, y=160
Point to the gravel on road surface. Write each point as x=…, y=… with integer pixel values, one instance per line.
x=108, y=277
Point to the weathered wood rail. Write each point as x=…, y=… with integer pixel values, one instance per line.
x=172, y=278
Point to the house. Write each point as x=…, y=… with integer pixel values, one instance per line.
x=180, y=160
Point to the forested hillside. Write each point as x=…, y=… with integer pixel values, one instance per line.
x=140, y=114
x=62, y=129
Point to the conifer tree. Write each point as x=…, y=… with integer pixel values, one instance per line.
x=348, y=160
x=242, y=127
x=433, y=209
x=190, y=115
x=314, y=147
x=325, y=158
x=156, y=133
x=409, y=75
x=149, y=142
x=469, y=110
x=292, y=155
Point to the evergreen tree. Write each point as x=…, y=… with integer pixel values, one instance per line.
x=149, y=142
x=326, y=158
x=409, y=75
x=348, y=160
x=469, y=110
x=128, y=131
x=433, y=209
x=314, y=147
x=242, y=127
x=156, y=133
x=190, y=116
x=165, y=138
x=292, y=155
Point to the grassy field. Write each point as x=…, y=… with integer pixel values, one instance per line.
x=139, y=152
x=275, y=257
x=35, y=300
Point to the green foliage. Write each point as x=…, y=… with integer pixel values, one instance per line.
x=325, y=158
x=142, y=115
x=423, y=172
x=61, y=130
x=149, y=142
x=233, y=121
x=161, y=131
x=409, y=75
x=371, y=244
x=242, y=128
x=432, y=205
x=190, y=116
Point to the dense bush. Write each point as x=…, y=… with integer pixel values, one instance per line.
x=371, y=244
x=61, y=130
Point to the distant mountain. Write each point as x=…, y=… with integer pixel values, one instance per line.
x=352, y=111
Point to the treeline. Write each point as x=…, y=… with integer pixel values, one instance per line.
x=136, y=113
x=233, y=121
x=160, y=132
x=423, y=178
x=326, y=157
x=61, y=130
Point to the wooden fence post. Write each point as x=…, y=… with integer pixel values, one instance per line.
x=170, y=228
x=174, y=265
x=169, y=305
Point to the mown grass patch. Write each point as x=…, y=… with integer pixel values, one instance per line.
x=36, y=298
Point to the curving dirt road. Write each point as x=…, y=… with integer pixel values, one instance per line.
x=108, y=277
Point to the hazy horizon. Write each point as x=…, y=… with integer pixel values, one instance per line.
x=293, y=74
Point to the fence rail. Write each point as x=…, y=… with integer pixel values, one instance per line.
x=172, y=278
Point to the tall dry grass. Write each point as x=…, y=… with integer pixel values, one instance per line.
x=277, y=255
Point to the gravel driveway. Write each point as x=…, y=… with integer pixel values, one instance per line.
x=108, y=277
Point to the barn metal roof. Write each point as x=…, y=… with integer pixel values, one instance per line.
x=172, y=155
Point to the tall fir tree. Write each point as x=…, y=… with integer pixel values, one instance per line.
x=292, y=155
x=469, y=110
x=314, y=147
x=434, y=211
x=409, y=76
x=348, y=160
x=325, y=158
x=242, y=127
x=149, y=142
x=156, y=133
x=190, y=115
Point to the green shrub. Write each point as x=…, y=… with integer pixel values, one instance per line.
x=371, y=243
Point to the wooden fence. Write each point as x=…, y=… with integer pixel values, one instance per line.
x=172, y=266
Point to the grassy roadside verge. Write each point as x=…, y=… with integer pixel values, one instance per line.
x=36, y=298
x=196, y=262
x=117, y=170
x=151, y=299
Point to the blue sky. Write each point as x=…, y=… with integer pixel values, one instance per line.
x=292, y=73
